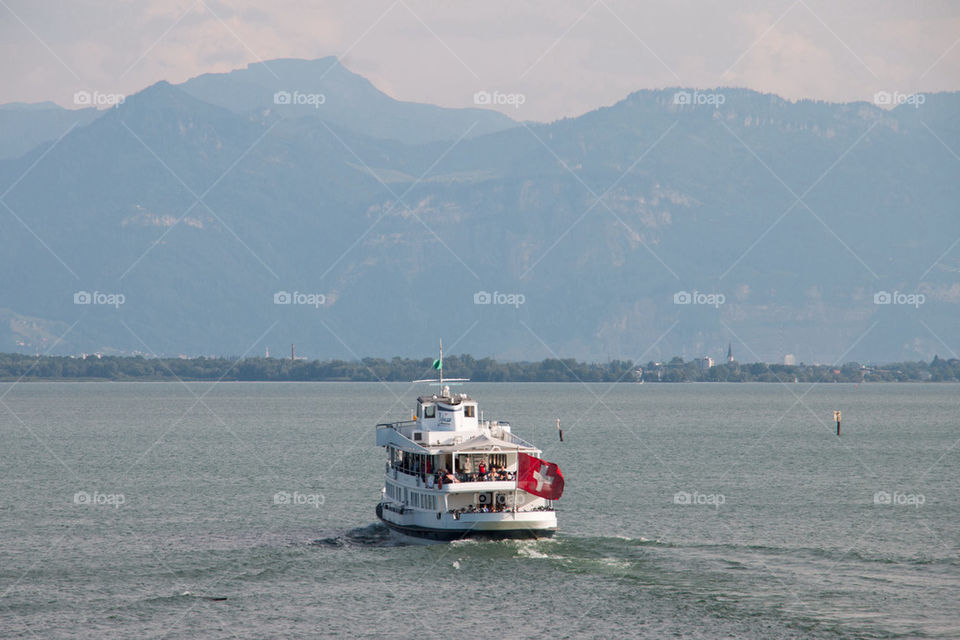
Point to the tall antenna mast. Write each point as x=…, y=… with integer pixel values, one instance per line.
x=438, y=365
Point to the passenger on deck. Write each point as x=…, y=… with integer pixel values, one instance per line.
x=482, y=470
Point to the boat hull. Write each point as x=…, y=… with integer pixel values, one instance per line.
x=448, y=532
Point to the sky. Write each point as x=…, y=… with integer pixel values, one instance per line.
x=545, y=59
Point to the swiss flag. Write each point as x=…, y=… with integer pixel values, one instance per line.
x=539, y=477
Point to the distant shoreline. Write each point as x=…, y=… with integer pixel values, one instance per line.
x=624, y=382
x=93, y=368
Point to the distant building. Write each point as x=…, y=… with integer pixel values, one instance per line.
x=729, y=353
x=790, y=359
x=658, y=367
x=704, y=363
x=638, y=374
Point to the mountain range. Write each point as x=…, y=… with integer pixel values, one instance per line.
x=293, y=202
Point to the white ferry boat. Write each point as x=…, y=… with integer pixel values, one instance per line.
x=450, y=474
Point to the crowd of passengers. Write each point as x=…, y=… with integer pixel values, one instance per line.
x=445, y=476
x=484, y=508
x=483, y=474
x=493, y=509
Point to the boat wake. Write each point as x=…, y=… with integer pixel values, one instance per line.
x=371, y=535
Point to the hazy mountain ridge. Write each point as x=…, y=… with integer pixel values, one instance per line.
x=303, y=210
x=23, y=126
x=348, y=100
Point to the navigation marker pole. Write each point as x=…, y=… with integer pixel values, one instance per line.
x=559, y=430
x=837, y=416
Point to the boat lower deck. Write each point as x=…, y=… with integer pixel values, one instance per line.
x=473, y=528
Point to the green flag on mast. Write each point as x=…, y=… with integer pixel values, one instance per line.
x=438, y=364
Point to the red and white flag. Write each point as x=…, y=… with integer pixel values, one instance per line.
x=539, y=477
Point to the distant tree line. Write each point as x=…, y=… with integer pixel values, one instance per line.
x=677, y=370
x=15, y=366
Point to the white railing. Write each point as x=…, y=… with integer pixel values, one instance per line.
x=396, y=425
x=462, y=478
x=499, y=432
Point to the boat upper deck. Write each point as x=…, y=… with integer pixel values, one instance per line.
x=488, y=436
x=448, y=398
x=448, y=422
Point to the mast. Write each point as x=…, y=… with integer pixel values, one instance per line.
x=438, y=365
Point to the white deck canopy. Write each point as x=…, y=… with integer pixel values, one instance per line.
x=485, y=444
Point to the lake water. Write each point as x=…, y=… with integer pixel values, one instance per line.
x=698, y=511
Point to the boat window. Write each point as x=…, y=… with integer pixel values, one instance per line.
x=468, y=411
x=430, y=411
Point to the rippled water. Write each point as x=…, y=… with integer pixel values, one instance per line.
x=177, y=533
